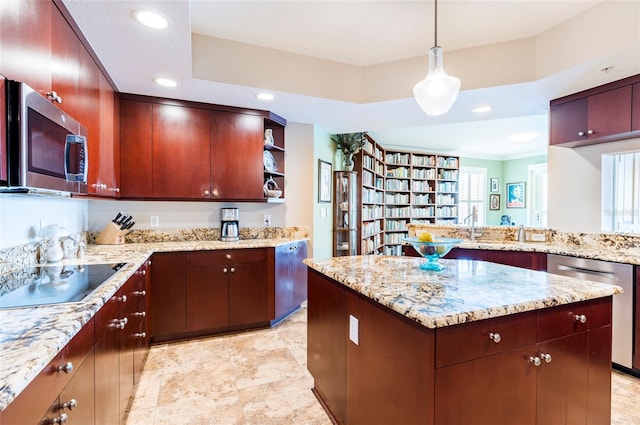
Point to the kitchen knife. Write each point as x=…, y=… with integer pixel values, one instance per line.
x=123, y=219
x=115, y=220
x=129, y=225
x=125, y=223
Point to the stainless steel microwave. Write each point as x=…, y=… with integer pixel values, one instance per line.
x=46, y=149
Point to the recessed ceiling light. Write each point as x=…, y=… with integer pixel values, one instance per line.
x=480, y=109
x=165, y=82
x=523, y=137
x=265, y=96
x=151, y=19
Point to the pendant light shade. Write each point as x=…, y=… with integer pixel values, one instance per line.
x=438, y=91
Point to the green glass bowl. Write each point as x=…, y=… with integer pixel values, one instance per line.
x=433, y=251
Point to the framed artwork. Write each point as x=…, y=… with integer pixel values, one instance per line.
x=516, y=195
x=494, y=201
x=324, y=181
x=495, y=184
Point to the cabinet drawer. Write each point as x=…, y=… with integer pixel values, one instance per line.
x=235, y=256
x=559, y=321
x=455, y=344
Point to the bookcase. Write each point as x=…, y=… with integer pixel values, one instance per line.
x=400, y=187
x=369, y=165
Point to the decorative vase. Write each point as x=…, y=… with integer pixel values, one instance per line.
x=348, y=161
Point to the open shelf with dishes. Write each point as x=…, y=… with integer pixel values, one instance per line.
x=274, y=159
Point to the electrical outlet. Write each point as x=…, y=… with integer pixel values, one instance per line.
x=267, y=220
x=154, y=221
x=537, y=237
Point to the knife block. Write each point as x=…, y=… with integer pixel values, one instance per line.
x=111, y=235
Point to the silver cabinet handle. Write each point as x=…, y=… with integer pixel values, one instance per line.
x=546, y=357
x=53, y=96
x=140, y=335
x=62, y=419
x=140, y=293
x=495, y=337
x=232, y=270
x=66, y=368
x=581, y=133
x=140, y=314
x=224, y=270
x=590, y=132
x=122, y=299
x=534, y=360
x=228, y=256
x=581, y=318
x=71, y=404
x=206, y=193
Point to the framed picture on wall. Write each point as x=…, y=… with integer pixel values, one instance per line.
x=516, y=195
x=495, y=185
x=324, y=181
x=494, y=201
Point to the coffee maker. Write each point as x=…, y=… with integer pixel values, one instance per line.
x=229, y=227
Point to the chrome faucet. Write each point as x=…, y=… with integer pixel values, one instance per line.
x=474, y=219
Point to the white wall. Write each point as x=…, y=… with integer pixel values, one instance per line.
x=575, y=185
x=324, y=149
x=21, y=217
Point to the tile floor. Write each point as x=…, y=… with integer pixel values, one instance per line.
x=260, y=378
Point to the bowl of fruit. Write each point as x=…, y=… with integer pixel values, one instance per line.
x=432, y=248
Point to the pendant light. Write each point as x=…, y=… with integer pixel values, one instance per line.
x=437, y=92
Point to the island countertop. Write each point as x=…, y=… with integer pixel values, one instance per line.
x=465, y=291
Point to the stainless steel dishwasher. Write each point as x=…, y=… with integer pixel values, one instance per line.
x=613, y=274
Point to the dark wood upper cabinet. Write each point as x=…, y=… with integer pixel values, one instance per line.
x=3, y=132
x=236, y=156
x=635, y=108
x=181, y=152
x=603, y=114
x=25, y=51
x=172, y=149
x=135, y=149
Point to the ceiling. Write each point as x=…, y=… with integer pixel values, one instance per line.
x=360, y=34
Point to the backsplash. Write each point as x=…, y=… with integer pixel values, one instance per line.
x=509, y=234
x=17, y=257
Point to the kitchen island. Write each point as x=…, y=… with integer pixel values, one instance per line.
x=478, y=343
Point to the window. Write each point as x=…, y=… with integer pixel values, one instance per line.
x=621, y=192
x=538, y=186
x=473, y=184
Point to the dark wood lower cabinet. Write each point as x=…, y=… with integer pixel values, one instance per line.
x=77, y=399
x=400, y=372
x=207, y=292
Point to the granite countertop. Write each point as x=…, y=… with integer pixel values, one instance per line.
x=465, y=291
x=627, y=256
x=31, y=337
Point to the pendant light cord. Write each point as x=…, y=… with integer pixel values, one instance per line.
x=435, y=23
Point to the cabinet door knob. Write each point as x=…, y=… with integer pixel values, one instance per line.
x=66, y=368
x=581, y=318
x=228, y=256
x=232, y=270
x=224, y=270
x=71, y=404
x=534, y=360
x=140, y=293
x=62, y=419
x=140, y=314
x=495, y=337
x=206, y=193
x=546, y=357
x=122, y=299
x=140, y=335
x=53, y=96
x=590, y=132
x=581, y=133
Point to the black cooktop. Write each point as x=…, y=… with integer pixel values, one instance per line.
x=53, y=284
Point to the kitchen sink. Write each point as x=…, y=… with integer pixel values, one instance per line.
x=53, y=284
